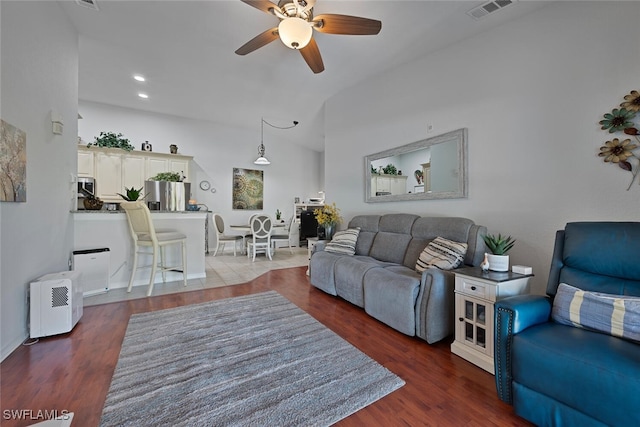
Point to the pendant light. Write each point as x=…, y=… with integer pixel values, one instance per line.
x=262, y=160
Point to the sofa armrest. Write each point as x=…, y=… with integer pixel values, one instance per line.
x=319, y=246
x=435, y=305
x=512, y=316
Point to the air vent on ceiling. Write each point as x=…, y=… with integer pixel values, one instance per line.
x=489, y=7
x=91, y=4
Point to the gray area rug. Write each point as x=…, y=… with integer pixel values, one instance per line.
x=253, y=360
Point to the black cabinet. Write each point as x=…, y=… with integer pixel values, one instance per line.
x=308, y=225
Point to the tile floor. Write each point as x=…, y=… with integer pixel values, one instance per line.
x=222, y=270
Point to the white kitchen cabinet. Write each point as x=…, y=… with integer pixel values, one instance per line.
x=86, y=164
x=388, y=184
x=133, y=173
x=108, y=175
x=156, y=165
x=180, y=166
x=114, y=169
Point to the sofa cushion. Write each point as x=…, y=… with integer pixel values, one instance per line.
x=344, y=242
x=594, y=373
x=368, y=225
x=441, y=253
x=600, y=256
x=390, y=247
x=349, y=278
x=390, y=296
x=457, y=229
x=322, y=271
x=616, y=315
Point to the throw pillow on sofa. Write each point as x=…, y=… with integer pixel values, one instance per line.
x=344, y=242
x=441, y=253
x=616, y=315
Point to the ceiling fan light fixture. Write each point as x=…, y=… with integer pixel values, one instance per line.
x=295, y=32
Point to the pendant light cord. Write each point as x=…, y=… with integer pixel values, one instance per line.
x=295, y=123
x=261, y=149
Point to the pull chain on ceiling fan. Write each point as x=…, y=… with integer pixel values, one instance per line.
x=297, y=24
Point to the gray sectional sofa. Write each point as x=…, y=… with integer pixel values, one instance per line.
x=381, y=275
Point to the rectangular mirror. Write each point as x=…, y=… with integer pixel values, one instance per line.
x=433, y=168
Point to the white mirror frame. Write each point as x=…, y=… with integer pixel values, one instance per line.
x=460, y=136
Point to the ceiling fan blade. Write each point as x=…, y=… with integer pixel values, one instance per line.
x=311, y=55
x=263, y=5
x=258, y=41
x=345, y=24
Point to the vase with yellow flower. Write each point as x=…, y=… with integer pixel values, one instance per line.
x=328, y=217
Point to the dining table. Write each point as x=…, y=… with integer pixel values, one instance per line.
x=245, y=229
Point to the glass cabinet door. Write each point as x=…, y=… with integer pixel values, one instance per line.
x=473, y=324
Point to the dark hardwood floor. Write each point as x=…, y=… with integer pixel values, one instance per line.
x=73, y=371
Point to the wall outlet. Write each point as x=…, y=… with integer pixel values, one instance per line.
x=429, y=128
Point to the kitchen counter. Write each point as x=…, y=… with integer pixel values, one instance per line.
x=104, y=211
x=110, y=229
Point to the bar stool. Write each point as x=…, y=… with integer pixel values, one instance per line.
x=144, y=234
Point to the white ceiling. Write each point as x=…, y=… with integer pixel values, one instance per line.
x=186, y=48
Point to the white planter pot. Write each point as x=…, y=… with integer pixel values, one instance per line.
x=498, y=262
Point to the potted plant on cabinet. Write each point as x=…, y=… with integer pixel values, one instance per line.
x=111, y=140
x=499, y=246
x=168, y=176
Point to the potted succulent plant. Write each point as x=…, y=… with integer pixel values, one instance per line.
x=499, y=246
x=132, y=194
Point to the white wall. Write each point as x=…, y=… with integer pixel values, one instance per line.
x=216, y=149
x=531, y=93
x=36, y=77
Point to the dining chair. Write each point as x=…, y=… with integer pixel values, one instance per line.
x=261, y=226
x=145, y=235
x=275, y=238
x=218, y=223
x=246, y=236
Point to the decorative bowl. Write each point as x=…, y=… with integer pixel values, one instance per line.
x=93, y=204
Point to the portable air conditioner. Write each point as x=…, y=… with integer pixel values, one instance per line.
x=55, y=304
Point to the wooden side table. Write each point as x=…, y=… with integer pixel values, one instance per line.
x=476, y=293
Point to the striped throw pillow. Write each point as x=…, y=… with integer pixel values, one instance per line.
x=441, y=253
x=344, y=242
x=616, y=315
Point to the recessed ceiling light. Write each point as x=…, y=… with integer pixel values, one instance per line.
x=143, y=95
x=139, y=78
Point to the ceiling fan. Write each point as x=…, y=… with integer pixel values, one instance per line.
x=297, y=24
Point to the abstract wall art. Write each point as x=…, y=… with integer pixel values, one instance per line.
x=13, y=163
x=248, y=189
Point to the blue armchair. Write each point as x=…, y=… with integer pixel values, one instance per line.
x=559, y=375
